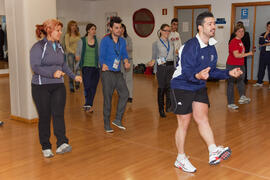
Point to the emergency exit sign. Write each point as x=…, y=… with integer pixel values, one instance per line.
x=244, y=13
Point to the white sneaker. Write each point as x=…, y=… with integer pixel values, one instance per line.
x=257, y=85
x=47, y=153
x=233, y=106
x=63, y=148
x=219, y=154
x=185, y=165
x=244, y=100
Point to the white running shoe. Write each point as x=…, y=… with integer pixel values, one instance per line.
x=219, y=155
x=244, y=100
x=63, y=148
x=185, y=165
x=233, y=106
x=257, y=85
x=47, y=153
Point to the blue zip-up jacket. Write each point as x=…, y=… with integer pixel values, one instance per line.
x=263, y=53
x=109, y=49
x=45, y=61
x=195, y=56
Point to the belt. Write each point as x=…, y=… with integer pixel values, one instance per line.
x=168, y=63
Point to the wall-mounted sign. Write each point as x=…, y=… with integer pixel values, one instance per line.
x=244, y=13
x=164, y=11
x=220, y=21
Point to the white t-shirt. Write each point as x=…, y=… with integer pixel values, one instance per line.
x=176, y=40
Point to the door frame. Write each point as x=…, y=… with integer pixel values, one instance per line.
x=176, y=8
x=233, y=14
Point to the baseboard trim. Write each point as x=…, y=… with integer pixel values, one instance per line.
x=29, y=121
x=4, y=75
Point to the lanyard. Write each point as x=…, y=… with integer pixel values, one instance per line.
x=167, y=48
x=116, y=47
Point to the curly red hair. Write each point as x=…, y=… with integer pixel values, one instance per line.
x=47, y=27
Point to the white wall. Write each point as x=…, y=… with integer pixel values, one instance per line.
x=95, y=12
x=2, y=7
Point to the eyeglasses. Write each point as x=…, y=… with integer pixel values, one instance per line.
x=166, y=30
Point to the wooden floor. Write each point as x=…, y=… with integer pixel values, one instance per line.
x=146, y=150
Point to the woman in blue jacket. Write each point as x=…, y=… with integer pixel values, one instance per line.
x=48, y=89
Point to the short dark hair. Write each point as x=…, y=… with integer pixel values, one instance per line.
x=268, y=23
x=115, y=19
x=201, y=17
x=174, y=20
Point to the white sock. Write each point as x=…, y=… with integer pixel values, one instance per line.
x=181, y=156
x=212, y=148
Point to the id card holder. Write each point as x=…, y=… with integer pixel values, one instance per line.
x=116, y=63
x=161, y=60
x=267, y=48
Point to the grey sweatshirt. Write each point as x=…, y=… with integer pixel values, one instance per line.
x=45, y=61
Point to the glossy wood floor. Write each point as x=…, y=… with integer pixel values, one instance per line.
x=146, y=150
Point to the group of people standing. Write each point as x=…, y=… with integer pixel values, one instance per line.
x=50, y=62
x=181, y=70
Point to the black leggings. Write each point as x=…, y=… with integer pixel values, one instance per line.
x=50, y=100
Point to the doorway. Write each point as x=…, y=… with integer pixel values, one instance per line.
x=187, y=19
x=254, y=16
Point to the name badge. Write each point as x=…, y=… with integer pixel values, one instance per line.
x=161, y=60
x=267, y=48
x=116, y=63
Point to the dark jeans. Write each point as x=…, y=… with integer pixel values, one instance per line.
x=264, y=61
x=90, y=81
x=239, y=82
x=50, y=100
x=164, y=75
x=111, y=81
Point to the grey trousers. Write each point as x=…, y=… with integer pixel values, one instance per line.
x=239, y=82
x=128, y=76
x=110, y=81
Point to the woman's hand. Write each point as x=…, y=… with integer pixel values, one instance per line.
x=58, y=74
x=78, y=79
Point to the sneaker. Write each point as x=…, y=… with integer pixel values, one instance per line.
x=63, y=148
x=118, y=124
x=109, y=130
x=257, y=85
x=185, y=165
x=129, y=100
x=87, y=108
x=47, y=153
x=1, y=123
x=244, y=100
x=219, y=155
x=233, y=106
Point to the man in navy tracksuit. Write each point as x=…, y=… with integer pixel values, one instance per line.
x=198, y=58
x=112, y=52
x=264, y=42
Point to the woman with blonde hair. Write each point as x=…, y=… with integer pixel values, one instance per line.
x=71, y=40
x=48, y=89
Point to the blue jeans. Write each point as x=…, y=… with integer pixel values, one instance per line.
x=72, y=65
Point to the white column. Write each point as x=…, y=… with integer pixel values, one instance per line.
x=22, y=16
